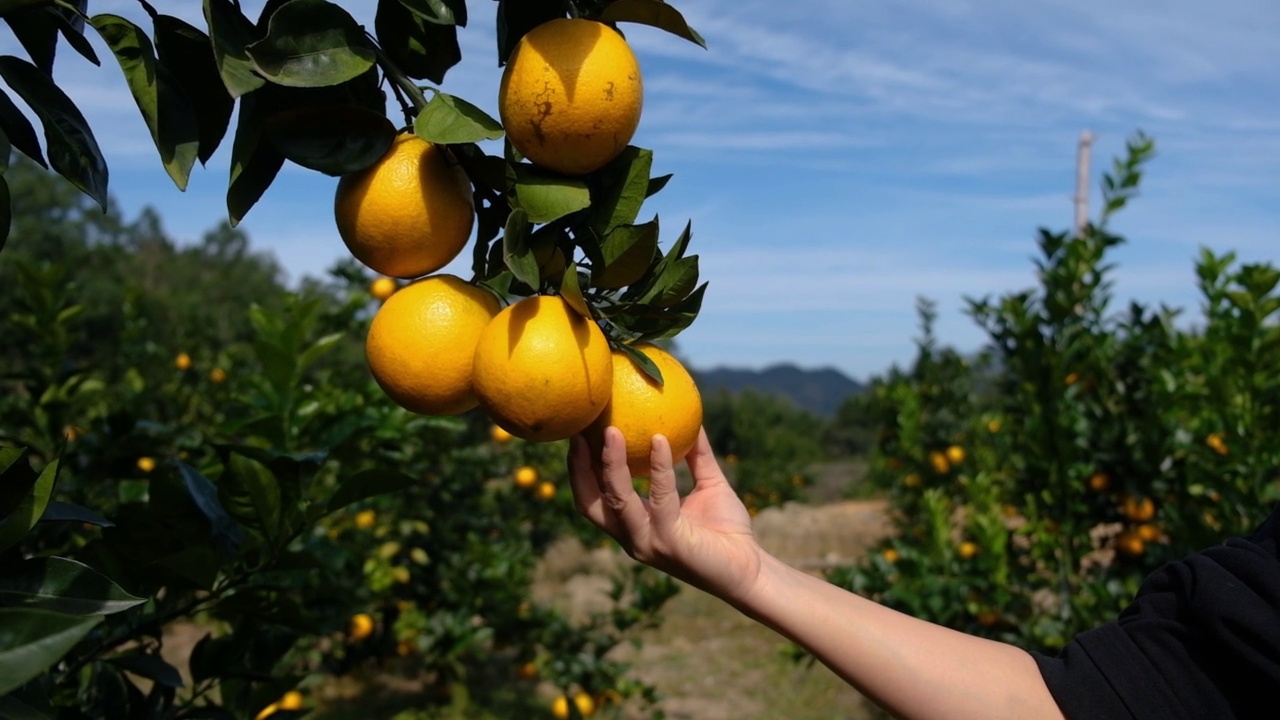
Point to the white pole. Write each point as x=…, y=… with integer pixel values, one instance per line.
x=1082, y=181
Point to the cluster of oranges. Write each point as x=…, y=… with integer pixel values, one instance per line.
x=540, y=368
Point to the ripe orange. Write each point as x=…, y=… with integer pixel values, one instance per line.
x=146, y=464
x=526, y=476
x=585, y=703
x=1149, y=532
x=641, y=408
x=939, y=461
x=422, y=341
x=360, y=626
x=1099, y=482
x=546, y=490
x=911, y=480
x=955, y=454
x=217, y=376
x=409, y=213
x=182, y=362
x=499, y=436
x=542, y=371
x=1130, y=543
x=291, y=700
x=967, y=550
x=1138, y=509
x=527, y=670
x=891, y=555
x=366, y=519
x=571, y=95
x=382, y=288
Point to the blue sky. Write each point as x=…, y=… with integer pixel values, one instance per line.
x=839, y=159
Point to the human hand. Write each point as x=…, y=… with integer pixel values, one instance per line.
x=704, y=538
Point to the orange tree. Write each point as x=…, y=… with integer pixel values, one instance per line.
x=214, y=482
x=1037, y=484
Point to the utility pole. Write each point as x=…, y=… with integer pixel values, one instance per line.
x=1083, y=152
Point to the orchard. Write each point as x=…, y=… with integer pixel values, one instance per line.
x=222, y=498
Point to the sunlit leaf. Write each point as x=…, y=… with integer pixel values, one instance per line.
x=627, y=252
x=451, y=120
x=642, y=361
x=620, y=189
x=571, y=291
x=164, y=105
x=545, y=196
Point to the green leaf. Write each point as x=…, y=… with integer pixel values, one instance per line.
x=168, y=114
x=651, y=12
x=71, y=26
x=64, y=586
x=254, y=163
x=622, y=187
x=12, y=708
x=420, y=48
x=642, y=361
x=676, y=281
x=189, y=55
x=318, y=350
x=656, y=185
x=19, y=131
x=450, y=120
x=546, y=197
x=16, y=479
x=369, y=483
x=73, y=151
x=228, y=536
x=440, y=12
x=28, y=512
x=251, y=494
x=334, y=140
x=677, y=318
x=628, y=251
x=311, y=43
x=33, y=640
x=230, y=32
x=151, y=667
x=516, y=253
x=571, y=291
x=58, y=511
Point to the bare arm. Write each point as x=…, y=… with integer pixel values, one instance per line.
x=910, y=667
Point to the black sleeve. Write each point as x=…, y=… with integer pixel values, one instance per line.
x=1200, y=640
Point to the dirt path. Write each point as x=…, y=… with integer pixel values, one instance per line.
x=709, y=662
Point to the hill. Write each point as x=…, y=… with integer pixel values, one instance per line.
x=819, y=391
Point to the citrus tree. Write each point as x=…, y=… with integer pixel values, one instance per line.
x=235, y=480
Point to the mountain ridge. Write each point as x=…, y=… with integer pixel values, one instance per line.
x=818, y=390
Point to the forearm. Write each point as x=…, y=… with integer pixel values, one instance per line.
x=910, y=667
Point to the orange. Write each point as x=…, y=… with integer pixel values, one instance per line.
x=422, y=341
x=526, y=476
x=967, y=550
x=360, y=626
x=1099, y=482
x=641, y=408
x=382, y=288
x=585, y=703
x=291, y=700
x=940, y=463
x=217, y=376
x=146, y=464
x=267, y=711
x=1138, y=509
x=911, y=480
x=409, y=213
x=546, y=490
x=182, y=362
x=365, y=519
x=542, y=371
x=891, y=555
x=955, y=454
x=499, y=436
x=527, y=671
x=571, y=95
x=1130, y=543
x=1148, y=532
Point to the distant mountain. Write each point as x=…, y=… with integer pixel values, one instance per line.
x=819, y=391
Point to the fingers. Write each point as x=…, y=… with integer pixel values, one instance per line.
x=584, y=479
x=664, y=500
x=617, y=493
x=702, y=462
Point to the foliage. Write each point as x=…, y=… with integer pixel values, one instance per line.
x=1035, y=485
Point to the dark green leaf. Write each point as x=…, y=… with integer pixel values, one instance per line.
x=311, y=43
x=333, y=140
x=627, y=251
x=643, y=362
x=517, y=17
x=230, y=32
x=33, y=640
x=72, y=29
x=228, y=536
x=651, y=12
x=197, y=565
x=441, y=12
x=254, y=163
x=28, y=511
x=17, y=128
x=37, y=31
x=681, y=244
x=151, y=667
x=252, y=494
x=369, y=483
x=189, y=56
x=65, y=586
x=73, y=151
x=545, y=196
x=571, y=291
x=677, y=318
x=13, y=708
x=450, y=120
x=16, y=479
x=656, y=185
x=59, y=511
x=318, y=349
x=623, y=186
x=421, y=49
x=163, y=103
x=516, y=253
x=676, y=281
